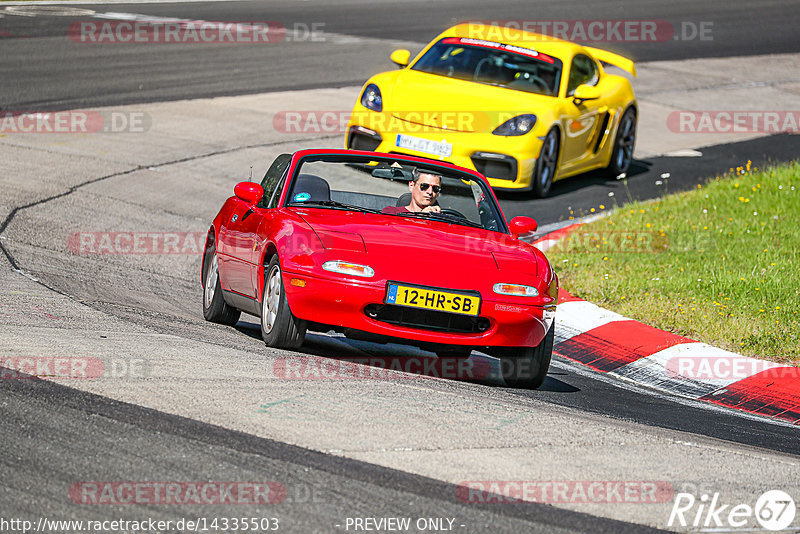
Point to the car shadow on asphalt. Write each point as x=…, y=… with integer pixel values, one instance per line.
x=578, y=182
x=554, y=385
x=339, y=357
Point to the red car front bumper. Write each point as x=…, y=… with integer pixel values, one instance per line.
x=342, y=303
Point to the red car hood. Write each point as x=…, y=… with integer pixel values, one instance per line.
x=419, y=251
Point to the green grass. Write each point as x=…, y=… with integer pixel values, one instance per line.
x=720, y=264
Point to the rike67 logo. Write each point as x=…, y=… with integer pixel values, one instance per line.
x=774, y=510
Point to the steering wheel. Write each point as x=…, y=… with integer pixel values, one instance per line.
x=480, y=66
x=541, y=83
x=530, y=78
x=454, y=213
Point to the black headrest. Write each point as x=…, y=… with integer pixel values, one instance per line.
x=404, y=200
x=312, y=185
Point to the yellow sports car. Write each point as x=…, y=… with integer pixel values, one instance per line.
x=521, y=108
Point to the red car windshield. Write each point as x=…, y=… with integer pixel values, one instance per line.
x=493, y=63
x=382, y=187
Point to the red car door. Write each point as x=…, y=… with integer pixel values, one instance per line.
x=265, y=231
x=238, y=238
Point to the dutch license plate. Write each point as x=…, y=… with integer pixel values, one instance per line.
x=465, y=303
x=425, y=145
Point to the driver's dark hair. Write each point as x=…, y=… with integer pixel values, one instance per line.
x=418, y=172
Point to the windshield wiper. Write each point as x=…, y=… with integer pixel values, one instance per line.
x=333, y=204
x=441, y=217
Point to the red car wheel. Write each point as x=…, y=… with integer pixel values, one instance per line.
x=279, y=327
x=215, y=309
x=526, y=367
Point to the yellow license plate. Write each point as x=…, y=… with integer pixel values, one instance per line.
x=445, y=300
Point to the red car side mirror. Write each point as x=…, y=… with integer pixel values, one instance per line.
x=249, y=192
x=522, y=225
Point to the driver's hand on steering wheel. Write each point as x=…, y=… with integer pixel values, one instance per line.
x=431, y=209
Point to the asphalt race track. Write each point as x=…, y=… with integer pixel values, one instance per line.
x=185, y=401
x=88, y=76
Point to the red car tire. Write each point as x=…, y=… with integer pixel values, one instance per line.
x=215, y=309
x=526, y=367
x=279, y=327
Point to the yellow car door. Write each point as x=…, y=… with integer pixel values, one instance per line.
x=585, y=108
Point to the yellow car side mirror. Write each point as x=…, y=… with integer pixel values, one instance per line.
x=585, y=92
x=400, y=57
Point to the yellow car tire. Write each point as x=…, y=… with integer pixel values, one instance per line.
x=546, y=165
x=624, y=143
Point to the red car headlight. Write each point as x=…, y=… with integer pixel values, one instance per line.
x=353, y=269
x=516, y=290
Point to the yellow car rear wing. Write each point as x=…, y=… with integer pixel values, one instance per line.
x=614, y=59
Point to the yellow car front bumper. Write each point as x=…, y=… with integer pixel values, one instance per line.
x=507, y=161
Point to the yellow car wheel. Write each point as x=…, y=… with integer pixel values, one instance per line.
x=546, y=164
x=622, y=155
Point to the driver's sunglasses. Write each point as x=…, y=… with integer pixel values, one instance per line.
x=423, y=186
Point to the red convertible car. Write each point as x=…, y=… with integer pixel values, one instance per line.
x=383, y=247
